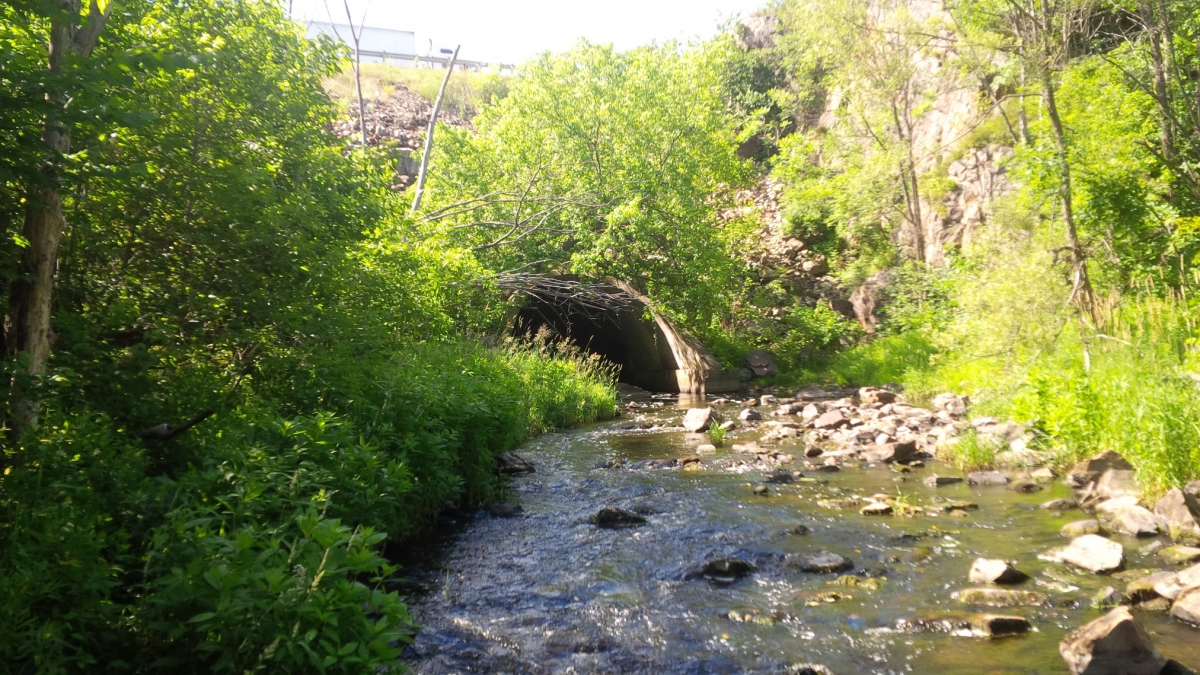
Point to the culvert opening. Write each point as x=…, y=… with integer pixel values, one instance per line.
x=619, y=336
x=616, y=323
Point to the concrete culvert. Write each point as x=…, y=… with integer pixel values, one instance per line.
x=646, y=349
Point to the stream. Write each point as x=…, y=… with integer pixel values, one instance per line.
x=549, y=592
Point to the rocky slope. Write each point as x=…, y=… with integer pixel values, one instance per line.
x=398, y=122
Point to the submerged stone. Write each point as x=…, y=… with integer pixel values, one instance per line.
x=966, y=625
x=1080, y=528
x=611, y=517
x=822, y=562
x=1000, y=597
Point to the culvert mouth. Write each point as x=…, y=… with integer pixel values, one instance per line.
x=644, y=348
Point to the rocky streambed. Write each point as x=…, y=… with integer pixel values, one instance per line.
x=821, y=536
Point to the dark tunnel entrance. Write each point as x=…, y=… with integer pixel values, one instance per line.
x=647, y=352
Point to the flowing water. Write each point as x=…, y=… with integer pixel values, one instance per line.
x=548, y=592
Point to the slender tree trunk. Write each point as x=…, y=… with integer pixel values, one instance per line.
x=437, y=107
x=1082, y=290
x=30, y=303
x=1166, y=120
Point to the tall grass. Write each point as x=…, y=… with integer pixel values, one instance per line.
x=466, y=93
x=1123, y=382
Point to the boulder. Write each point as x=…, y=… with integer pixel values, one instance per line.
x=1192, y=488
x=762, y=363
x=510, y=463
x=767, y=399
x=966, y=625
x=1179, y=514
x=1090, y=552
x=1187, y=606
x=699, y=419
x=872, y=396
x=1091, y=469
x=1060, y=505
x=1125, y=515
x=749, y=415
x=1146, y=588
x=1114, y=644
x=724, y=570
x=1080, y=528
x=939, y=481
x=900, y=453
x=822, y=562
x=987, y=478
x=834, y=419
x=993, y=571
x=1117, y=483
x=611, y=517
x=876, y=509
x=810, y=412
x=1179, y=555
x=952, y=404
x=1001, y=597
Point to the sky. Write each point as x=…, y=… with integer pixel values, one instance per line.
x=512, y=31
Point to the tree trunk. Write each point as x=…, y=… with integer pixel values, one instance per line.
x=1082, y=289
x=437, y=107
x=31, y=294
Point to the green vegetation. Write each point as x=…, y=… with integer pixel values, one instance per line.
x=227, y=261
x=1073, y=307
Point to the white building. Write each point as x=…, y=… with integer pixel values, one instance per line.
x=376, y=45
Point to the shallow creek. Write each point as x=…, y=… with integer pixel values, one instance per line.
x=548, y=592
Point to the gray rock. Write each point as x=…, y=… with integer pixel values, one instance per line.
x=611, y=517
x=762, y=363
x=699, y=419
x=1187, y=606
x=1192, y=488
x=1114, y=644
x=767, y=399
x=749, y=415
x=1080, y=528
x=962, y=624
x=724, y=570
x=1118, y=483
x=900, y=453
x=871, y=396
x=820, y=563
x=952, y=404
x=1091, y=469
x=993, y=571
x=1060, y=505
x=1179, y=513
x=1145, y=588
x=834, y=419
x=1025, y=486
x=1179, y=555
x=939, y=481
x=1125, y=515
x=1107, y=598
x=876, y=509
x=987, y=478
x=510, y=463
x=808, y=669
x=1090, y=552
x=1001, y=597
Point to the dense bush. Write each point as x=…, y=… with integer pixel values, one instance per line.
x=227, y=253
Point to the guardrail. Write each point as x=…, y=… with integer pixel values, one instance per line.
x=440, y=60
